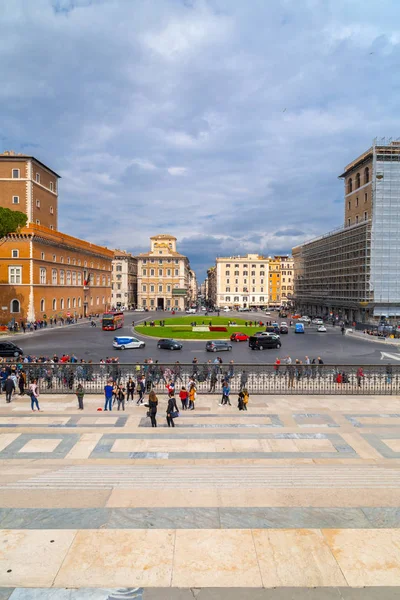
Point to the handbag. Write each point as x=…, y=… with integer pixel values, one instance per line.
x=175, y=414
x=148, y=414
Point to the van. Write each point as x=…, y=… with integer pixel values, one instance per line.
x=262, y=342
x=299, y=328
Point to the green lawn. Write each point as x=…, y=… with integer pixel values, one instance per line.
x=179, y=328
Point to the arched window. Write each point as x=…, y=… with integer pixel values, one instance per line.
x=350, y=185
x=73, y=302
x=62, y=303
x=79, y=302
x=358, y=180
x=15, y=306
x=366, y=175
x=68, y=303
x=54, y=304
x=42, y=305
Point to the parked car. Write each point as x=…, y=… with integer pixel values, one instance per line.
x=268, y=314
x=274, y=328
x=10, y=349
x=317, y=321
x=120, y=343
x=242, y=309
x=204, y=308
x=299, y=328
x=321, y=329
x=283, y=328
x=169, y=344
x=226, y=309
x=218, y=346
x=239, y=337
x=139, y=310
x=262, y=342
x=305, y=319
x=191, y=311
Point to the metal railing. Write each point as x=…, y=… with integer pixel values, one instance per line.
x=258, y=379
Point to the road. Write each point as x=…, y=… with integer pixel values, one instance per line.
x=92, y=343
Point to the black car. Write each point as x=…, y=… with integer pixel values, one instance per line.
x=10, y=349
x=262, y=342
x=218, y=346
x=169, y=344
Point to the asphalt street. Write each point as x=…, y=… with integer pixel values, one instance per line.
x=92, y=343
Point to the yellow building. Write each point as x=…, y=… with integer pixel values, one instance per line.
x=274, y=281
x=163, y=276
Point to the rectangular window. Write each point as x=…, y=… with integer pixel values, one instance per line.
x=68, y=277
x=80, y=278
x=349, y=205
x=356, y=218
x=42, y=275
x=143, y=288
x=37, y=203
x=160, y=272
x=176, y=271
x=169, y=272
x=14, y=253
x=73, y=277
x=357, y=201
x=51, y=227
x=62, y=277
x=15, y=200
x=152, y=288
x=14, y=274
x=54, y=258
x=152, y=272
x=51, y=186
x=42, y=255
x=37, y=221
x=365, y=216
x=51, y=210
x=38, y=177
x=15, y=173
x=144, y=271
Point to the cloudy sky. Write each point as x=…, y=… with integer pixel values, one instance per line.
x=223, y=122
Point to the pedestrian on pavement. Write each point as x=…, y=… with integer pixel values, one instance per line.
x=277, y=366
x=130, y=389
x=80, y=392
x=213, y=381
x=34, y=394
x=290, y=372
x=192, y=396
x=360, y=376
x=243, y=379
x=172, y=411
x=183, y=395
x=389, y=373
x=153, y=403
x=226, y=390
x=108, y=393
x=141, y=389
x=9, y=388
x=243, y=399
x=22, y=382
x=121, y=397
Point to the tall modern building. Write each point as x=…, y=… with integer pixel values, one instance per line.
x=354, y=272
x=164, y=279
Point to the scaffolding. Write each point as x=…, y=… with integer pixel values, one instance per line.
x=332, y=271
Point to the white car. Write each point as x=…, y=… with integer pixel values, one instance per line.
x=226, y=309
x=123, y=342
x=305, y=319
x=268, y=314
x=139, y=310
x=284, y=324
x=204, y=308
x=317, y=322
x=191, y=311
x=322, y=329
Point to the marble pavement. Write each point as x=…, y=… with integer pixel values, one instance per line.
x=299, y=497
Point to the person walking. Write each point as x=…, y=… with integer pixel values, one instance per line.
x=389, y=373
x=153, y=403
x=34, y=394
x=22, y=382
x=9, y=388
x=213, y=382
x=108, y=393
x=290, y=372
x=130, y=389
x=243, y=399
x=243, y=380
x=183, y=395
x=80, y=392
x=277, y=366
x=141, y=389
x=172, y=411
x=226, y=390
x=121, y=397
x=192, y=396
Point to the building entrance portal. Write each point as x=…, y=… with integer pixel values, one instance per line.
x=160, y=303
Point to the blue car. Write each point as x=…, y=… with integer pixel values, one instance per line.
x=299, y=328
x=120, y=342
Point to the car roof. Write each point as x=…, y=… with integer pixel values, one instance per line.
x=123, y=337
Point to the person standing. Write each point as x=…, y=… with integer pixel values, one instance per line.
x=80, y=392
x=172, y=411
x=130, y=389
x=153, y=403
x=121, y=397
x=226, y=390
x=192, y=396
x=141, y=389
x=183, y=395
x=213, y=382
x=34, y=394
x=22, y=382
x=360, y=376
x=9, y=388
x=108, y=393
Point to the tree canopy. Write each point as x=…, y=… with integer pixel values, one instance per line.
x=11, y=221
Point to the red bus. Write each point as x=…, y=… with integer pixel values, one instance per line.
x=112, y=320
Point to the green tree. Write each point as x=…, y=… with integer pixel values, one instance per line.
x=11, y=221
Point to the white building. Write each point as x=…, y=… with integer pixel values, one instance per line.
x=242, y=281
x=124, y=280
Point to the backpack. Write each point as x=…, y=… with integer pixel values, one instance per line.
x=245, y=398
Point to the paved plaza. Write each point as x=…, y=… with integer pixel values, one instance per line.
x=298, y=493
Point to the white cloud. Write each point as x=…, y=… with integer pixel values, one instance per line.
x=177, y=170
x=146, y=165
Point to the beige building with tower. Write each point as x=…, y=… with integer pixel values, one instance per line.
x=164, y=280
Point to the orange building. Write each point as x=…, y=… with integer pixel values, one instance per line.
x=274, y=281
x=45, y=273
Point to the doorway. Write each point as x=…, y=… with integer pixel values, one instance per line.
x=160, y=303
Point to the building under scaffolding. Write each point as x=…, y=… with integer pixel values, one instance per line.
x=354, y=272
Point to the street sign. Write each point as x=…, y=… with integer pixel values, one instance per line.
x=68, y=314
